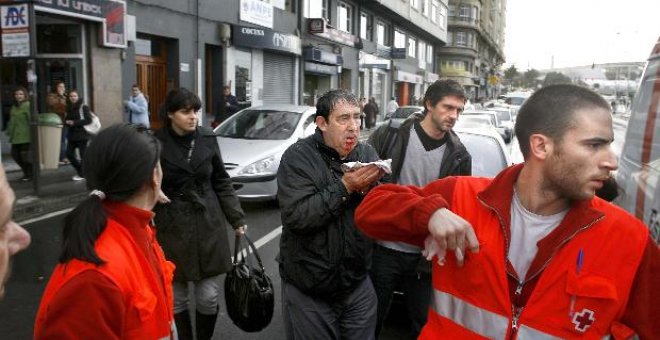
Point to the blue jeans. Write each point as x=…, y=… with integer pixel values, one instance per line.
x=394, y=270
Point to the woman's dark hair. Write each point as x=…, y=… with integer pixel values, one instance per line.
x=118, y=162
x=71, y=105
x=25, y=92
x=178, y=99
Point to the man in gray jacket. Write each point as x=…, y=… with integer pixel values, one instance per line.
x=422, y=149
x=137, y=108
x=324, y=259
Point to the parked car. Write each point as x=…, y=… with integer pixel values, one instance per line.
x=515, y=100
x=505, y=115
x=252, y=142
x=404, y=112
x=487, y=148
x=639, y=164
x=506, y=134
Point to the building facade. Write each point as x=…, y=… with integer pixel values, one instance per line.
x=475, y=45
x=266, y=51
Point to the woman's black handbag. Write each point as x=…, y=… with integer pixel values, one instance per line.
x=248, y=291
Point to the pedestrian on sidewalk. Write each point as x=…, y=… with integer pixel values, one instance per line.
x=371, y=111
x=225, y=107
x=112, y=280
x=137, y=108
x=13, y=238
x=392, y=105
x=18, y=130
x=56, y=102
x=192, y=227
x=78, y=115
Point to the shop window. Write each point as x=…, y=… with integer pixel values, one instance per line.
x=59, y=38
x=243, y=68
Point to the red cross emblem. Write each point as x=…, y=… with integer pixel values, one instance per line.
x=583, y=320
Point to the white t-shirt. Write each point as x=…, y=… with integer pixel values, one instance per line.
x=527, y=229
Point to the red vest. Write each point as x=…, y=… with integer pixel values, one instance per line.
x=473, y=302
x=149, y=313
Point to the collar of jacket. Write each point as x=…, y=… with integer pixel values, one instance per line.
x=330, y=152
x=201, y=151
x=498, y=196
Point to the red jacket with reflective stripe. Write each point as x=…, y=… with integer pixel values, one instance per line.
x=148, y=301
x=474, y=301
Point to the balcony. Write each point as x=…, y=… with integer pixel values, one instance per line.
x=463, y=22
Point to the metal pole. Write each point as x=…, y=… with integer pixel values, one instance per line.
x=34, y=121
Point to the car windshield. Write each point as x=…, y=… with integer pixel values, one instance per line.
x=405, y=112
x=488, y=158
x=260, y=124
x=503, y=115
x=474, y=120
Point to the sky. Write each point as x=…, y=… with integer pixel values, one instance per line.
x=579, y=32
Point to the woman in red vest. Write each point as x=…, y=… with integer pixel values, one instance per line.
x=112, y=280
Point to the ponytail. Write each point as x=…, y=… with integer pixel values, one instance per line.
x=82, y=227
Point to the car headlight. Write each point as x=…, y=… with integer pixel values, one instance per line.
x=260, y=167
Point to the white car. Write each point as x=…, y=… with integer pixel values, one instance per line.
x=252, y=142
x=506, y=134
x=488, y=151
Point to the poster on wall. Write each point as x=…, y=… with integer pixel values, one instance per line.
x=15, y=30
x=110, y=13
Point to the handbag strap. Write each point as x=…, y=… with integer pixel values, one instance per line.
x=237, y=246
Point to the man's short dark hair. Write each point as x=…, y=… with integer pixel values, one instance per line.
x=550, y=110
x=443, y=88
x=330, y=99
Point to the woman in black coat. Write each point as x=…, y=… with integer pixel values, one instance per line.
x=77, y=116
x=191, y=227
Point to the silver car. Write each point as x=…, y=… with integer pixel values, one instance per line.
x=252, y=142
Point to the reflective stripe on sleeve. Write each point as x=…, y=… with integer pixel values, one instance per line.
x=528, y=333
x=478, y=320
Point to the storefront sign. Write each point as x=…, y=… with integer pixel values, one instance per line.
x=372, y=61
x=409, y=77
x=110, y=13
x=321, y=56
x=321, y=68
x=332, y=34
x=265, y=39
x=15, y=31
x=398, y=53
x=257, y=12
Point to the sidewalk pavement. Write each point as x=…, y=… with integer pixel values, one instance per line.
x=58, y=190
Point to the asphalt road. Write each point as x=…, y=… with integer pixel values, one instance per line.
x=32, y=268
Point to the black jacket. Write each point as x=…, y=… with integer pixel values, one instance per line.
x=322, y=253
x=391, y=141
x=192, y=228
x=77, y=132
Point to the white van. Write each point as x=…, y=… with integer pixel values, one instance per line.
x=639, y=165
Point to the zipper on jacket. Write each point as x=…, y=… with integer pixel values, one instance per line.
x=514, y=321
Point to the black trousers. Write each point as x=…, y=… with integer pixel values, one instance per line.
x=21, y=155
x=71, y=147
